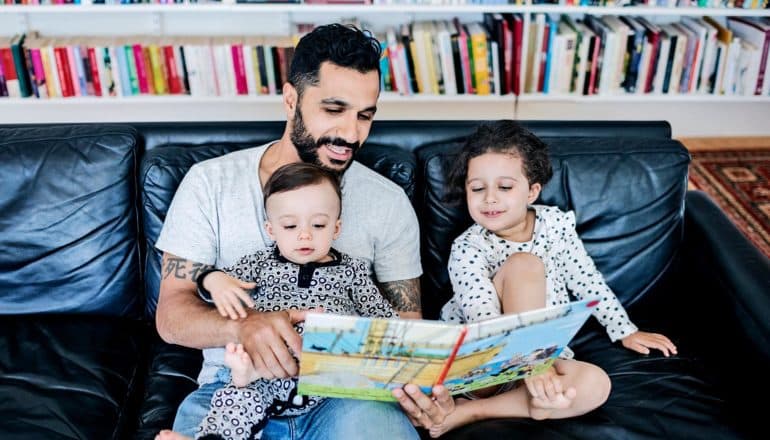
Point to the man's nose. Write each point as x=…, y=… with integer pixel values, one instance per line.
x=348, y=129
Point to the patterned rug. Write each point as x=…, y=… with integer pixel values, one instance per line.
x=739, y=182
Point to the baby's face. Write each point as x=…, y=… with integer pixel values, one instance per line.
x=304, y=222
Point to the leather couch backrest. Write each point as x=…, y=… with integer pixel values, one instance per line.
x=627, y=193
x=404, y=135
x=68, y=229
x=164, y=166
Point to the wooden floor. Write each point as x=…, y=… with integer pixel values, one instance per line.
x=738, y=143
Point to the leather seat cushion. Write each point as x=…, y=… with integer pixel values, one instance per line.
x=69, y=376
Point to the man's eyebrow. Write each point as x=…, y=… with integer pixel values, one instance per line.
x=335, y=101
x=343, y=103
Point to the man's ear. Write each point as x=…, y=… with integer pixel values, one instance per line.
x=337, y=228
x=269, y=230
x=289, y=100
x=534, y=192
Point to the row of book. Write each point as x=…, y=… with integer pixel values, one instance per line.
x=504, y=54
x=592, y=56
x=41, y=67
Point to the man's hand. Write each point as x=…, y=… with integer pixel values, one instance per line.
x=270, y=340
x=422, y=410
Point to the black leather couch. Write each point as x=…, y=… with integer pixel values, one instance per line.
x=82, y=205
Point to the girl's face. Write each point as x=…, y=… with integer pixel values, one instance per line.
x=498, y=193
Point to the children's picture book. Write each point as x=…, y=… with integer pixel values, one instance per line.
x=366, y=358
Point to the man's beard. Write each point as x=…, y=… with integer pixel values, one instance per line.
x=307, y=147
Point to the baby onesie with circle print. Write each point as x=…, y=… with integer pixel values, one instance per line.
x=477, y=254
x=342, y=286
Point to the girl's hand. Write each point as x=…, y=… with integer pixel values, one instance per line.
x=229, y=294
x=642, y=342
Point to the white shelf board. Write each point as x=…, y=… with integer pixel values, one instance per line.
x=375, y=9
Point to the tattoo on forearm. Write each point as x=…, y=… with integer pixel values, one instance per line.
x=175, y=266
x=404, y=295
x=178, y=268
x=196, y=270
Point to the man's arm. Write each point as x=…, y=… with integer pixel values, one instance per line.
x=404, y=296
x=184, y=319
x=423, y=410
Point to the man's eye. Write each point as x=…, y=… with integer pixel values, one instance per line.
x=289, y=226
x=365, y=117
x=334, y=110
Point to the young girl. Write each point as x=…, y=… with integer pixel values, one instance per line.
x=518, y=257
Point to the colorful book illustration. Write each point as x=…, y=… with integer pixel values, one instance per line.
x=366, y=358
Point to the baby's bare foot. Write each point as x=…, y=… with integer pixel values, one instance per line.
x=462, y=415
x=239, y=362
x=541, y=406
x=167, y=434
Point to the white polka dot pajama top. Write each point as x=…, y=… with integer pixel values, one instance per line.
x=477, y=254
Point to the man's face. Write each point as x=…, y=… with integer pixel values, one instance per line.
x=332, y=119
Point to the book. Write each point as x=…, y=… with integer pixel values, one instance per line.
x=366, y=358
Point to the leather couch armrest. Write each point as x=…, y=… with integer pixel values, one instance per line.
x=733, y=276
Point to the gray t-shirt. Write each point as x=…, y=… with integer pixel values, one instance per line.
x=217, y=216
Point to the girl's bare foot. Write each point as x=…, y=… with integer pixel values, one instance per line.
x=168, y=434
x=541, y=406
x=239, y=362
x=462, y=415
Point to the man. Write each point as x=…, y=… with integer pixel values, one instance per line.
x=217, y=216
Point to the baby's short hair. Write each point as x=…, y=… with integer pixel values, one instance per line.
x=298, y=175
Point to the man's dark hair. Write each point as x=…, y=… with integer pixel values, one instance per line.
x=504, y=136
x=299, y=175
x=343, y=45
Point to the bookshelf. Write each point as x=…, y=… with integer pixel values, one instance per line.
x=690, y=114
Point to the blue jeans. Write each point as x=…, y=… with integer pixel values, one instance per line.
x=332, y=419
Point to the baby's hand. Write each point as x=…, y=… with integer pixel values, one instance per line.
x=642, y=342
x=229, y=294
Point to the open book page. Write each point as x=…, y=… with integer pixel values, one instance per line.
x=513, y=347
x=366, y=358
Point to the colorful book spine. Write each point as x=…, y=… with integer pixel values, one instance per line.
x=140, y=68
x=93, y=66
x=40, y=75
x=159, y=75
x=131, y=68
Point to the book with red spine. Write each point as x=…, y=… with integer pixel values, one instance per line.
x=239, y=66
x=95, y=75
x=141, y=68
